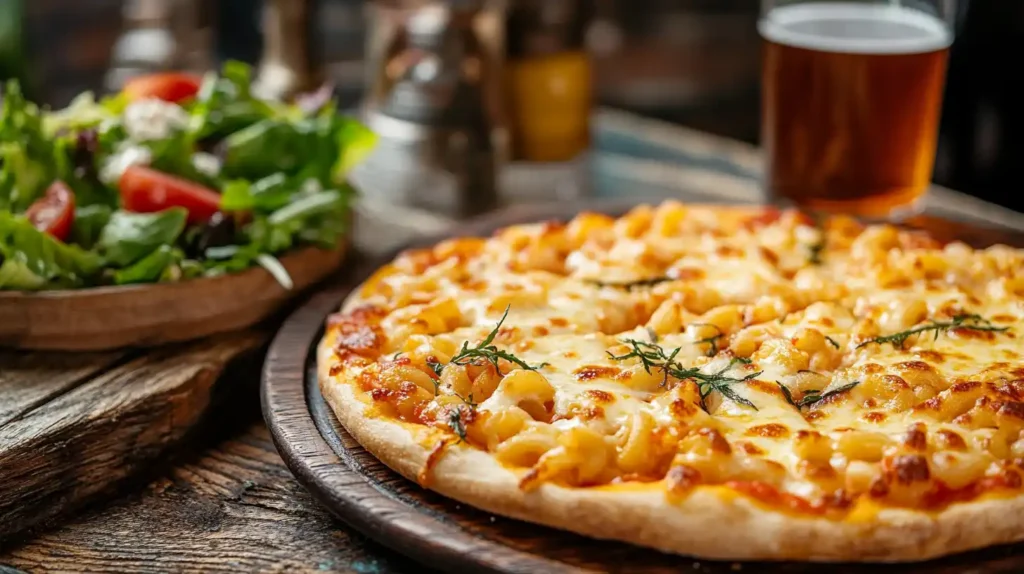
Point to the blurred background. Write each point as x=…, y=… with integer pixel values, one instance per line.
x=690, y=62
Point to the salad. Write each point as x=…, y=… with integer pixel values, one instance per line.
x=176, y=177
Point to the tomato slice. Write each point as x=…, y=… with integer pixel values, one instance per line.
x=145, y=190
x=54, y=213
x=169, y=86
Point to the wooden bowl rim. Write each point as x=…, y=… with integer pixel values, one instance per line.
x=113, y=290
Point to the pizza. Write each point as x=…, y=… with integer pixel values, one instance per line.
x=727, y=383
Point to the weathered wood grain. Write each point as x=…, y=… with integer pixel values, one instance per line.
x=236, y=509
x=456, y=537
x=99, y=418
x=28, y=380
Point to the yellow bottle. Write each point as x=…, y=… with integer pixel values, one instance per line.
x=548, y=80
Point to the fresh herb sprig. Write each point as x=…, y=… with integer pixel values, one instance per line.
x=712, y=341
x=651, y=356
x=721, y=383
x=630, y=285
x=813, y=396
x=814, y=252
x=456, y=424
x=654, y=357
x=485, y=351
x=963, y=320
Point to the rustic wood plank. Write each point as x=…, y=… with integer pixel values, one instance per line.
x=71, y=445
x=236, y=509
x=28, y=380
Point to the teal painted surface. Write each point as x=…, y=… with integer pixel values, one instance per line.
x=633, y=144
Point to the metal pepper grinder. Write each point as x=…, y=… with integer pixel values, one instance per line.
x=434, y=102
x=292, y=60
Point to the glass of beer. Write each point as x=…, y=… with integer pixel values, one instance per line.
x=851, y=96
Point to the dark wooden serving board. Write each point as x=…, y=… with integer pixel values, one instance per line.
x=445, y=534
x=72, y=426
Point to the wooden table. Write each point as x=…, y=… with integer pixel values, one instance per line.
x=226, y=502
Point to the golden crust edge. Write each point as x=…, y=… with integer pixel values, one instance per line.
x=703, y=525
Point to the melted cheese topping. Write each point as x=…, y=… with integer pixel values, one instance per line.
x=697, y=347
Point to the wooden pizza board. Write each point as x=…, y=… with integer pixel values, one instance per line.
x=452, y=536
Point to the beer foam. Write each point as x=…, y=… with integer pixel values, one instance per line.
x=858, y=28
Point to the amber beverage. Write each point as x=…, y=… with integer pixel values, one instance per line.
x=850, y=105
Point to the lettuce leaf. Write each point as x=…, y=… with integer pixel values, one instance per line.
x=267, y=194
x=150, y=268
x=128, y=237
x=89, y=222
x=354, y=143
x=26, y=153
x=225, y=103
x=324, y=148
x=35, y=260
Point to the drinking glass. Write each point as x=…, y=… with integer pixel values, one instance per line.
x=851, y=95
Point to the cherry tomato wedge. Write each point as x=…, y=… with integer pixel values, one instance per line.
x=145, y=190
x=55, y=211
x=168, y=86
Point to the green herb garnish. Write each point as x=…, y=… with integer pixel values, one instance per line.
x=486, y=351
x=712, y=340
x=468, y=400
x=630, y=285
x=456, y=424
x=813, y=396
x=831, y=341
x=652, y=357
x=972, y=321
x=436, y=367
x=814, y=253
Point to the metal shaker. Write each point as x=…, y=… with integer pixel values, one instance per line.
x=434, y=99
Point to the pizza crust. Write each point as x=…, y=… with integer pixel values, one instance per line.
x=705, y=524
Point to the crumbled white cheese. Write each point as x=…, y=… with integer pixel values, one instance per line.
x=206, y=163
x=153, y=119
x=310, y=187
x=124, y=158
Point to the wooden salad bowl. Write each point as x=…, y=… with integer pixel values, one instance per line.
x=103, y=318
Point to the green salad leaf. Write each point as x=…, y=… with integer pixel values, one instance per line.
x=17, y=275
x=267, y=194
x=26, y=153
x=89, y=223
x=354, y=143
x=34, y=260
x=128, y=237
x=83, y=112
x=22, y=177
x=225, y=103
x=150, y=268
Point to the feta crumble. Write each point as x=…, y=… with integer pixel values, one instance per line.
x=153, y=119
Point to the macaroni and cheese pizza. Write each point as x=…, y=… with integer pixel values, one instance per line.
x=733, y=383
